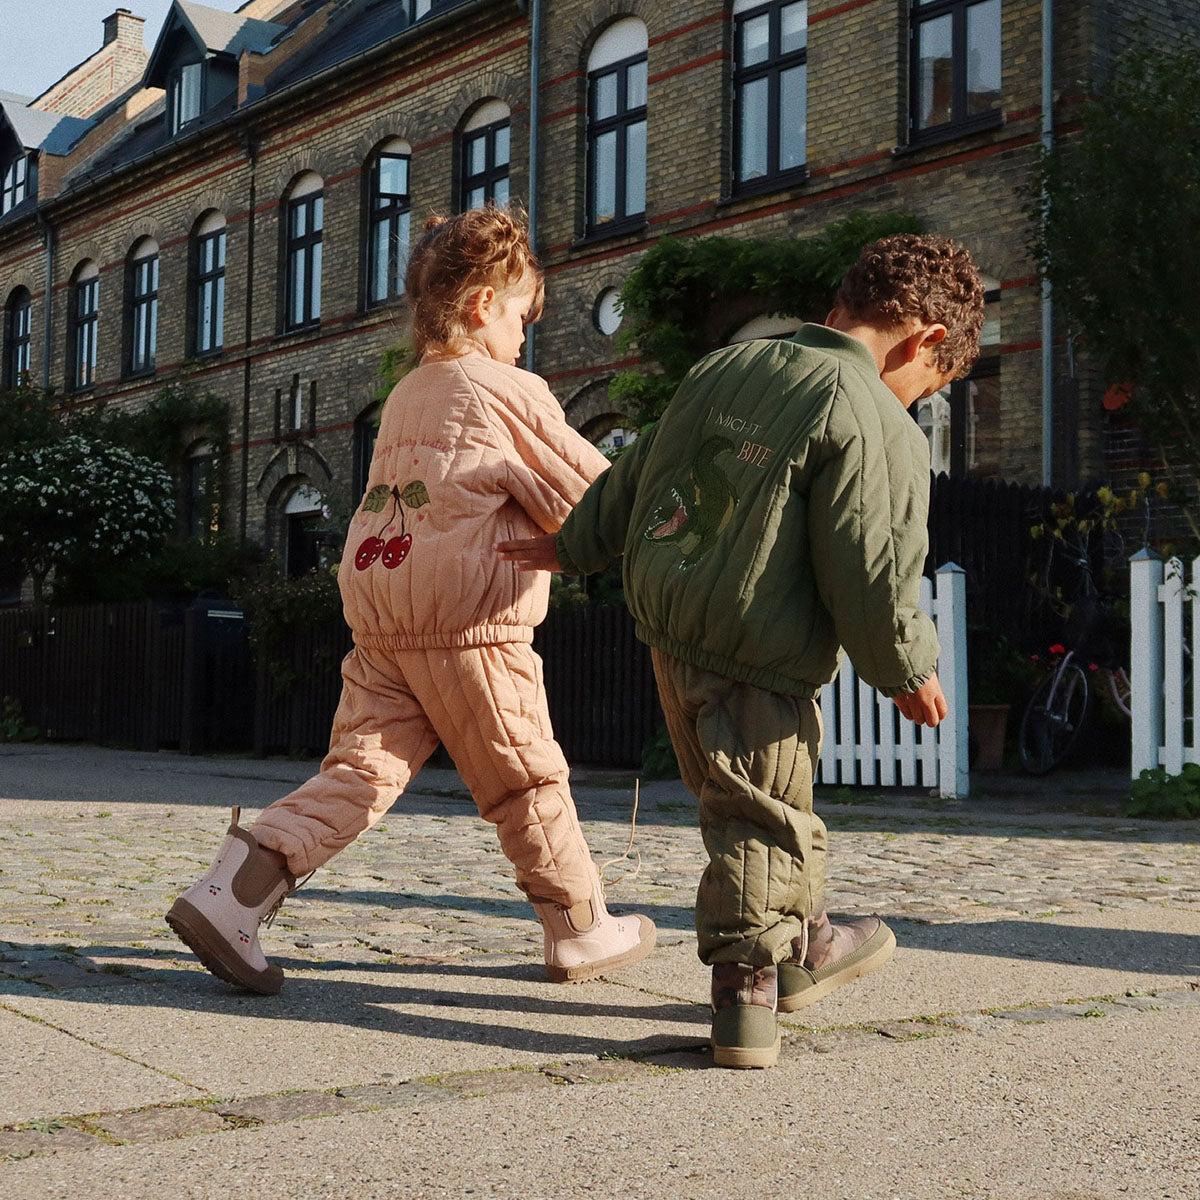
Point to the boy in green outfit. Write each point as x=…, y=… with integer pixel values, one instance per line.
x=776, y=512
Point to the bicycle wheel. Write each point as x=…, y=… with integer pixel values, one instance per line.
x=1054, y=719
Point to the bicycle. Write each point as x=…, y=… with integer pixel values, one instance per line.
x=1061, y=708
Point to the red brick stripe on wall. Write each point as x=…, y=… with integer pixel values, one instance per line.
x=837, y=10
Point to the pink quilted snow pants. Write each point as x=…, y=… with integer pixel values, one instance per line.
x=487, y=704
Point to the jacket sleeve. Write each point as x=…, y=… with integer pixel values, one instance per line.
x=868, y=510
x=594, y=534
x=549, y=465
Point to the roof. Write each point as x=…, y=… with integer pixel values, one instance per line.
x=214, y=31
x=38, y=130
x=358, y=27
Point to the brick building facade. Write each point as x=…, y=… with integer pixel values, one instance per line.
x=232, y=211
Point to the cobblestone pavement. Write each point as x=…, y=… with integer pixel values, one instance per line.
x=95, y=844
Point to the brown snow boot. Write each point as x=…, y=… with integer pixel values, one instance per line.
x=825, y=956
x=744, y=1030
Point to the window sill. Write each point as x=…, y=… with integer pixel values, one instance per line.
x=205, y=355
x=141, y=373
x=610, y=231
x=765, y=186
x=297, y=331
x=950, y=133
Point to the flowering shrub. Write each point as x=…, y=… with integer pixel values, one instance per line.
x=78, y=498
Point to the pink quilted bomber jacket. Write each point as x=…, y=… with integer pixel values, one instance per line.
x=470, y=452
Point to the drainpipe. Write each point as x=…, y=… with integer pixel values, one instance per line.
x=1047, y=306
x=48, y=238
x=252, y=158
x=535, y=79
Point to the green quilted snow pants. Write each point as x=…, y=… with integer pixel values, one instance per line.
x=749, y=755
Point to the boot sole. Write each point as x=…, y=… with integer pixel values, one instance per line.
x=585, y=971
x=747, y=1057
x=849, y=973
x=201, y=936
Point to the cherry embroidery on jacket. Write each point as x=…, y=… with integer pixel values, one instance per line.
x=396, y=549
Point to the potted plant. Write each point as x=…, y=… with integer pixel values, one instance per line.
x=998, y=675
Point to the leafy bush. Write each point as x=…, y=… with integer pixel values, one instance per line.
x=1166, y=797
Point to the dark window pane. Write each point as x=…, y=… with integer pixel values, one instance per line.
x=604, y=96
x=793, y=117
x=752, y=161
x=635, y=85
x=756, y=41
x=604, y=185
x=935, y=80
x=983, y=57
x=635, y=169
x=793, y=31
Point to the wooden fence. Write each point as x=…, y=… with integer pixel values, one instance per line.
x=866, y=741
x=1164, y=620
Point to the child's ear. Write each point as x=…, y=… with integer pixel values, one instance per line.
x=481, y=304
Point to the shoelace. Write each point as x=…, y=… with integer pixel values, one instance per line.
x=273, y=911
x=604, y=884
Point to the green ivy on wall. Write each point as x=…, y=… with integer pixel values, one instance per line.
x=688, y=295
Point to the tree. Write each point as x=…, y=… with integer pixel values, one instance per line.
x=1119, y=239
x=77, y=500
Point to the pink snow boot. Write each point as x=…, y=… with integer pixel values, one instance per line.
x=219, y=916
x=586, y=940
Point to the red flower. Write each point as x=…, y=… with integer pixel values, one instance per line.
x=1117, y=396
x=1058, y=649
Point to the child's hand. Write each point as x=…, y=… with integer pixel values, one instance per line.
x=531, y=554
x=925, y=706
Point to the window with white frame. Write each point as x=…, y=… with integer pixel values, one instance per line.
x=389, y=215
x=305, y=222
x=15, y=185
x=84, y=319
x=208, y=285
x=143, y=307
x=185, y=96
x=770, y=92
x=616, y=127
x=955, y=67
x=485, y=153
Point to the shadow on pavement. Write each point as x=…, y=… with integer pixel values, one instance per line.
x=1141, y=950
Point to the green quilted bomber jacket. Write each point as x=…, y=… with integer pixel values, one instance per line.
x=776, y=512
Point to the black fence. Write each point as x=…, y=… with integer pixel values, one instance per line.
x=149, y=676
x=152, y=676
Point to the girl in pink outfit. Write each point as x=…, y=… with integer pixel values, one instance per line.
x=471, y=451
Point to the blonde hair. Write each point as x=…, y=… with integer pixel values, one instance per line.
x=454, y=258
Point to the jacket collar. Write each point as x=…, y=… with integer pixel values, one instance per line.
x=822, y=337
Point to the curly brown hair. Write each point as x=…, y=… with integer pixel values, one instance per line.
x=454, y=258
x=925, y=278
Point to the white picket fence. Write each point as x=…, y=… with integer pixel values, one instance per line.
x=1164, y=619
x=867, y=741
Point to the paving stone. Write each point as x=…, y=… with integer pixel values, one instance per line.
x=22, y=1143
x=270, y=1110
x=398, y=1095
x=495, y=1083
x=158, y=1124
x=602, y=1070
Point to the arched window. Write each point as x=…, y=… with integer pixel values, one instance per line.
x=770, y=91
x=18, y=328
x=388, y=216
x=366, y=431
x=304, y=514
x=304, y=225
x=485, y=155
x=616, y=127
x=200, y=499
x=208, y=285
x=84, y=316
x=141, y=277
